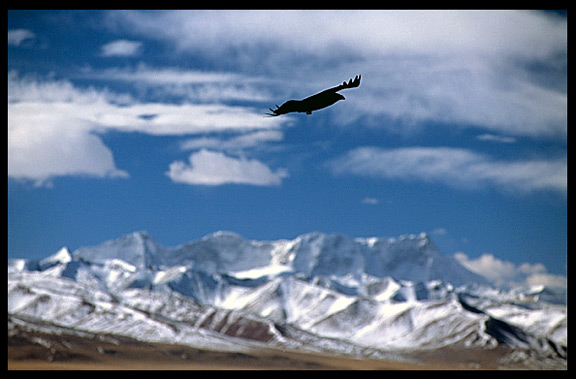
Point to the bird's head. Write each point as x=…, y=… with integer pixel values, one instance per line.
x=340, y=97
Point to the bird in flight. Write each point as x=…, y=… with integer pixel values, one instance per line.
x=315, y=102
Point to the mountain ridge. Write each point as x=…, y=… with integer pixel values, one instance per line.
x=325, y=292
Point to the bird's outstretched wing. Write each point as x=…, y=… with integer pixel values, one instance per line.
x=352, y=83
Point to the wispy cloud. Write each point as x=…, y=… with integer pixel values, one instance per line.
x=181, y=119
x=122, y=48
x=404, y=93
x=370, y=201
x=236, y=143
x=439, y=231
x=495, y=138
x=213, y=168
x=380, y=32
x=454, y=167
x=468, y=68
x=192, y=85
x=505, y=273
x=17, y=36
x=142, y=73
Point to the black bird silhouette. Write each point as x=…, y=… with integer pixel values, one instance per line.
x=315, y=102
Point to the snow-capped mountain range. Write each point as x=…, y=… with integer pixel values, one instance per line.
x=383, y=298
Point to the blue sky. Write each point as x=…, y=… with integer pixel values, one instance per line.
x=154, y=120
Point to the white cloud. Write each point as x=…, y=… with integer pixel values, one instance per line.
x=550, y=280
x=50, y=135
x=243, y=141
x=54, y=146
x=121, y=48
x=212, y=168
x=508, y=274
x=469, y=68
x=52, y=126
x=199, y=86
x=439, y=231
x=454, y=167
x=183, y=119
x=143, y=73
x=370, y=201
x=403, y=93
x=364, y=33
x=495, y=138
x=49, y=140
x=17, y=36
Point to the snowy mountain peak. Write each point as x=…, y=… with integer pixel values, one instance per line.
x=413, y=257
x=137, y=249
x=61, y=257
x=409, y=257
